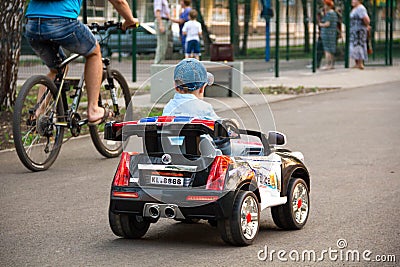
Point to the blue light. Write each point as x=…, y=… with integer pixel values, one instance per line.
x=150, y=119
x=183, y=119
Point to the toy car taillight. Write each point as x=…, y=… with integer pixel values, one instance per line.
x=216, y=178
x=122, y=175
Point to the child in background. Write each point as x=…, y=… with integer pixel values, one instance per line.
x=192, y=30
x=191, y=78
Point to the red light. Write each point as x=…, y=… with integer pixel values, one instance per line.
x=125, y=194
x=165, y=118
x=169, y=174
x=202, y=198
x=122, y=175
x=216, y=178
x=208, y=123
x=118, y=125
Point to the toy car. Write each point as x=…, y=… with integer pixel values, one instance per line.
x=194, y=169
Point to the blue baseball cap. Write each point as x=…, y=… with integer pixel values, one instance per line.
x=191, y=74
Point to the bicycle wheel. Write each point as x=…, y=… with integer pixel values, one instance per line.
x=36, y=137
x=108, y=148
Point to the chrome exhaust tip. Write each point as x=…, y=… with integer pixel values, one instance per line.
x=154, y=211
x=170, y=212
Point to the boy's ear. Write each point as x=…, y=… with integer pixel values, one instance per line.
x=201, y=90
x=177, y=89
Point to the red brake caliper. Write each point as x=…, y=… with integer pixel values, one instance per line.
x=248, y=217
x=299, y=203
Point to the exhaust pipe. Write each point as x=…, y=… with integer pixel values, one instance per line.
x=170, y=212
x=154, y=211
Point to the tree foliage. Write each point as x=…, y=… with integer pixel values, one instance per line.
x=11, y=15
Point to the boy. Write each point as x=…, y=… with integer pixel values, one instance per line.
x=183, y=18
x=191, y=78
x=192, y=31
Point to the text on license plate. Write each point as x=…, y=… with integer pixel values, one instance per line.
x=176, y=181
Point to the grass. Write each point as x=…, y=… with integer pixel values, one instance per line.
x=277, y=90
x=155, y=112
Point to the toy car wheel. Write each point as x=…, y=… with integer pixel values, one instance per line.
x=128, y=226
x=242, y=228
x=213, y=223
x=294, y=214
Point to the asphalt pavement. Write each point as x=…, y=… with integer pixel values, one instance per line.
x=350, y=139
x=350, y=142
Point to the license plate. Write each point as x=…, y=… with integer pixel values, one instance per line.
x=164, y=180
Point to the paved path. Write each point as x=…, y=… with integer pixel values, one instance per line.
x=293, y=73
x=350, y=139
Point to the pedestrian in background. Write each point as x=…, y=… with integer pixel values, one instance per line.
x=320, y=46
x=359, y=27
x=183, y=17
x=192, y=30
x=328, y=26
x=162, y=24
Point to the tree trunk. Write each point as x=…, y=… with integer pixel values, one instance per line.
x=206, y=33
x=306, y=30
x=235, y=30
x=247, y=16
x=11, y=15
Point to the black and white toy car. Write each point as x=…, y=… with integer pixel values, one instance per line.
x=192, y=169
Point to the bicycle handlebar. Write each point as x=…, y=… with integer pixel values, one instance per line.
x=95, y=27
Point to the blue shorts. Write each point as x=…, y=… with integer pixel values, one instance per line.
x=193, y=46
x=47, y=36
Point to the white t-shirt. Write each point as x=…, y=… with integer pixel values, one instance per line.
x=192, y=29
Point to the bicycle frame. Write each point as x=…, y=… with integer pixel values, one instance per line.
x=61, y=94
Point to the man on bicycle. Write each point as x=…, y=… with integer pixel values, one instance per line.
x=51, y=25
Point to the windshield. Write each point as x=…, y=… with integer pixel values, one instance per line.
x=233, y=95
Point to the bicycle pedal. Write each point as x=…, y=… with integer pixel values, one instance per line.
x=83, y=122
x=61, y=123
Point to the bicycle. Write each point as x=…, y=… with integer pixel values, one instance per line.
x=38, y=137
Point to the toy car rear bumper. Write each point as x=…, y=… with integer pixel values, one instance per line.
x=197, y=203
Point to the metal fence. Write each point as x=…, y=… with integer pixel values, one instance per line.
x=288, y=19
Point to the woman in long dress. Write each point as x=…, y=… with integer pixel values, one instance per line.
x=359, y=27
x=328, y=33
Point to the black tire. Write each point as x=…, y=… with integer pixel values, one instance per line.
x=128, y=225
x=242, y=227
x=224, y=228
x=111, y=149
x=284, y=217
x=30, y=134
x=213, y=223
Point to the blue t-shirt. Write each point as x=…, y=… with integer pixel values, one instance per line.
x=189, y=105
x=57, y=9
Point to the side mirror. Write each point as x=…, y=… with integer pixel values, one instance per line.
x=276, y=138
x=226, y=128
